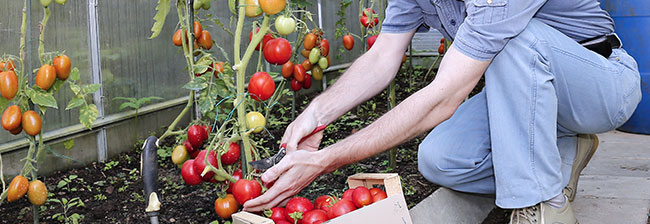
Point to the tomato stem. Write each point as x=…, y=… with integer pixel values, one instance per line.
x=41, y=38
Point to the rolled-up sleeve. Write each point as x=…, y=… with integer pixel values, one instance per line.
x=490, y=24
x=402, y=16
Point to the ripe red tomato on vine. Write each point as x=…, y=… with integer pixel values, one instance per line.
x=261, y=86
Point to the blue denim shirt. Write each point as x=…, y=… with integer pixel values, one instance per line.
x=481, y=28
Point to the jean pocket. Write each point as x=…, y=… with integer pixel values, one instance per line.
x=486, y=11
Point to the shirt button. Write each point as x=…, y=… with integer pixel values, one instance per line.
x=489, y=1
x=452, y=22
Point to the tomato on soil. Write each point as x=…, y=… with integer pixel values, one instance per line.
x=205, y=40
x=310, y=41
x=255, y=120
x=226, y=206
x=11, y=117
x=37, y=192
x=313, y=216
x=371, y=41
x=287, y=69
x=232, y=155
x=277, y=214
x=261, y=86
x=237, y=175
x=31, y=122
x=348, y=42
x=196, y=134
x=348, y=194
x=245, y=190
x=45, y=77
x=199, y=164
x=190, y=176
x=277, y=51
x=377, y=194
x=272, y=7
x=264, y=41
x=341, y=207
x=8, y=84
x=361, y=197
x=62, y=66
x=17, y=188
x=298, y=204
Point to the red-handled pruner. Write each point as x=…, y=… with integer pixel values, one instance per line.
x=267, y=163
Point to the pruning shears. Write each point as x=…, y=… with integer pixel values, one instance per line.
x=267, y=163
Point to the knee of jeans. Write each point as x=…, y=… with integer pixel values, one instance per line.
x=439, y=168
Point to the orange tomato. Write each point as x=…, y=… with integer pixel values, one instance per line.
x=310, y=41
x=218, y=68
x=8, y=84
x=37, y=192
x=348, y=42
x=45, y=77
x=197, y=29
x=32, y=122
x=7, y=65
x=272, y=7
x=307, y=65
x=11, y=118
x=205, y=40
x=178, y=38
x=226, y=206
x=62, y=66
x=17, y=130
x=253, y=8
x=287, y=69
x=305, y=53
x=17, y=188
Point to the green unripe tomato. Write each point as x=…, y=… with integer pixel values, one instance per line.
x=46, y=3
x=314, y=55
x=322, y=62
x=285, y=25
x=206, y=5
x=61, y=2
x=197, y=5
x=255, y=120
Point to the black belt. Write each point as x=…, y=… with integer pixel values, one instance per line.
x=602, y=45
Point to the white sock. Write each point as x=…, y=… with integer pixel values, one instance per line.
x=557, y=201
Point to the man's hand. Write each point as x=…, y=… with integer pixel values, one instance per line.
x=304, y=124
x=294, y=172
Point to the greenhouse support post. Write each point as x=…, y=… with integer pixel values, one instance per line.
x=320, y=25
x=96, y=75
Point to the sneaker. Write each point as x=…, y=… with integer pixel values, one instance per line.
x=587, y=144
x=544, y=214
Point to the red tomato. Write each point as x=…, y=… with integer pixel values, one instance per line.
x=299, y=73
x=190, y=176
x=348, y=194
x=442, y=40
x=188, y=146
x=306, y=65
x=226, y=206
x=377, y=194
x=361, y=197
x=348, y=42
x=245, y=190
x=265, y=39
x=324, y=202
x=310, y=41
x=196, y=134
x=8, y=84
x=371, y=41
x=314, y=216
x=197, y=29
x=307, y=82
x=237, y=175
x=283, y=222
x=278, y=214
x=261, y=86
x=232, y=155
x=324, y=47
x=199, y=164
x=295, y=85
x=365, y=18
x=277, y=51
x=341, y=207
x=287, y=69
x=441, y=49
x=298, y=204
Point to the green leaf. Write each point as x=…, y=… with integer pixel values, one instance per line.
x=75, y=88
x=74, y=103
x=74, y=74
x=42, y=98
x=207, y=101
x=197, y=83
x=64, y=200
x=68, y=144
x=4, y=103
x=91, y=88
x=199, y=69
x=88, y=115
x=130, y=105
x=57, y=85
x=163, y=9
x=130, y=99
x=147, y=100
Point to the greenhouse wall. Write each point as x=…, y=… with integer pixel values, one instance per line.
x=121, y=57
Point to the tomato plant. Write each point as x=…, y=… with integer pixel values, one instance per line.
x=244, y=190
x=17, y=188
x=190, y=176
x=261, y=86
x=231, y=155
x=277, y=51
x=299, y=205
x=37, y=192
x=31, y=122
x=8, y=84
x=226, y=206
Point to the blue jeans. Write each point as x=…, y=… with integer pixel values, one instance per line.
x=517, y=138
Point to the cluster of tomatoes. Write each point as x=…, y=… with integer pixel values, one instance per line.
x=316, y=52
x=35, y=190
x=202, y=38
x=302, y=211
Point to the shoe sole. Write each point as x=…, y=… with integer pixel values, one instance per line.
x=576, y=170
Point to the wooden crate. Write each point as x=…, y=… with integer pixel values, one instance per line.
x=392, y=210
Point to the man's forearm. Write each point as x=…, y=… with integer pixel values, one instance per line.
x=367, y=76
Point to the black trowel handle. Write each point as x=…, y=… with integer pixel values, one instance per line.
x=149, y=171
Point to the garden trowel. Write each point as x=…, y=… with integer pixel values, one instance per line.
x=267, y=163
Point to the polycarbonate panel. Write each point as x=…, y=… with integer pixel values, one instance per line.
x=132, y=64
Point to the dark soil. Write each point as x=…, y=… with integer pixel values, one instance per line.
x=112, y=191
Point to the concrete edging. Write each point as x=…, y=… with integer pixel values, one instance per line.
x=448, y=206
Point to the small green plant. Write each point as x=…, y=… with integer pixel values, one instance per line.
x=99, y=197
x=64, y=184
x=110, y=165
x=63, y=217
x=135, y=104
